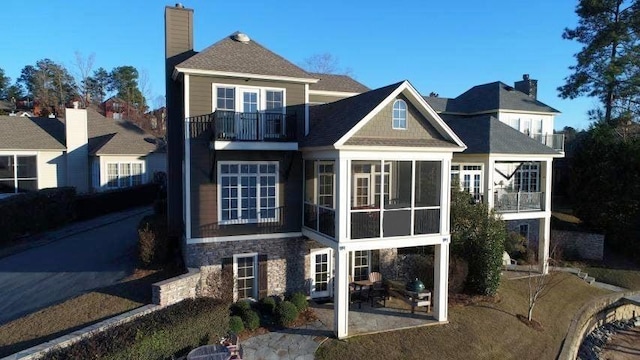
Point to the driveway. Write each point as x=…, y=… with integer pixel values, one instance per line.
x=89, y=255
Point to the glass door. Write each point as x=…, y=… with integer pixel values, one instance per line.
x=249, y=118
x=321, y=273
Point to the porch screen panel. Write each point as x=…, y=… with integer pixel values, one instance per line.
x=310, y=207
x=427, y=197
x=397, y=214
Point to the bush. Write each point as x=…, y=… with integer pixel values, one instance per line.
x=89, y=206
x=235, y=324
x=286, y=313
x=240, y=308
x=300, y=301
x=30, y=213
x=515, y=244
x=267, y=305
x=458, y=272
x=174, y=330
x=154, y=247
x=251, y=320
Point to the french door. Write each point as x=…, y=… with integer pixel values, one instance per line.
x=321, y=273
x=248, y=120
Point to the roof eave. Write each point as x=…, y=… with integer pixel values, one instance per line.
x=191, y=71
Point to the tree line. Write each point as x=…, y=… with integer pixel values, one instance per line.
x=52, y=86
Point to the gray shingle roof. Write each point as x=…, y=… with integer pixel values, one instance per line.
x=440, y=104
x=333, y=82
x=485, y=134
x=329, y=122
x=24, y=133
x=494, y=96
x=229, y=55
x=105, y=136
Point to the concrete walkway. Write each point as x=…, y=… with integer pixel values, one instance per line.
x=298, y=343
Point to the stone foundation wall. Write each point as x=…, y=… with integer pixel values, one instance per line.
x=176, y=289
x=578, y=244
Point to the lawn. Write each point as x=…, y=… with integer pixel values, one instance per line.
x=78, y=312
x=486, y=330
x=629, y=279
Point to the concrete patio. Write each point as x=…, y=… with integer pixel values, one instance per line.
x=396, y=315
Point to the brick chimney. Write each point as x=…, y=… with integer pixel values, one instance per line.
x=178, y=40
x=77, y=148
x=527, y=86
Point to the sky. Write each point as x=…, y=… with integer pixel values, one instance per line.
x=442, y=46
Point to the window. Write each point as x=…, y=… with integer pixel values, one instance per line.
x=225, y=99
x=121, y=175
x=274, y=100
x=325, y=184
x=18, y=173
x=523, y=229
x=245, y=267
x=319, y=183
x=526, y=179
x=360, y=261
x=400, y=115
x=248, y=192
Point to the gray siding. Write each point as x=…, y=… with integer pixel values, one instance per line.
x=323, y=99
x=178, y=31
x=380, y=126
x=204, y=195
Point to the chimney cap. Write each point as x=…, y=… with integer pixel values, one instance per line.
x=179, y=6
x=525, y=76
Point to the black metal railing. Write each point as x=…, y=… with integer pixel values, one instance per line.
x=254, y=221
x=518, y=201
x=258, y=126
x=320, y=219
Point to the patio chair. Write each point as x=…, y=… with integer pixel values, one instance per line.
x=355, y=293
x=377, y=291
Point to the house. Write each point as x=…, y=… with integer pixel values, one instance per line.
x=295, y=197
x=116, y=108
x=84, y=150
x=509, y=156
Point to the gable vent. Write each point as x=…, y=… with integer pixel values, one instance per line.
x=241, y=37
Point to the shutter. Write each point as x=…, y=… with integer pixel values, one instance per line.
x=262, y=276
x=375, y=260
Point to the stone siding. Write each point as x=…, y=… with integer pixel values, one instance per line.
x=176, y=289
x=580, y=245
x=287, y=260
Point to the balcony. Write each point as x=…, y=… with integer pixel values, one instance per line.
x=515, y=202
x=554, y=141
x=258, y=221
x=249, y=127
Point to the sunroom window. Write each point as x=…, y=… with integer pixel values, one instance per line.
x=248, y=192
x=319, y=200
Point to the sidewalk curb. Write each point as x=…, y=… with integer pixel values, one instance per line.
x=59, y=234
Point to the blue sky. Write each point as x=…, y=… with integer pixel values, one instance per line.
x=441, y=46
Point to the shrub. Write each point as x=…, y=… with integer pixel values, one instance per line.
x=154, y=247
x=458, y=272
x=267, y=305
x=160, y=335
x=240, y=308
x=286, y=313
x=251, y=320
x=235, y=324
x=300, y=301
x=515, y=244
x=34, y=212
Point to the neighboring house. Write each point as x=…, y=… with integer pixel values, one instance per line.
x=115, y=108
x=84, y=150
x=509, y=155
x=294, y=197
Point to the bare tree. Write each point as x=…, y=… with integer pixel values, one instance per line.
x=325, y=63
x=541, y=284
x=84, y=67
x=144, y=84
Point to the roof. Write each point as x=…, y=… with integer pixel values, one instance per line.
x=24, y=133
x=330, y=122
x=333, y=82
x=487, y=135
x=489, y=97
x=229, y=55
x=105, y=136
x=6, y=105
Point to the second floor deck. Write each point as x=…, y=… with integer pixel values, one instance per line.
x=230, y=126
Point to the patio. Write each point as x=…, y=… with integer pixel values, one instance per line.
x=396, y=315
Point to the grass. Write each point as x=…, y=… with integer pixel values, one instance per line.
x=629, y=279
x=485, y=330
x=76, y=313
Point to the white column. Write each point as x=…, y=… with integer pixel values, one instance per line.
x=489, y=169
x=441, y=280
x=543, y=244
x=343, y=202
x=341, y=294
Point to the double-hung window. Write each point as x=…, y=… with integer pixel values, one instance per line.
x=18, y=173
x=248, y=192
x=127, y=174
x=245, y=269
x=226, y=98
x=274, y=100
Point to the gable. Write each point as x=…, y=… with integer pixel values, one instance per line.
x=379, y=130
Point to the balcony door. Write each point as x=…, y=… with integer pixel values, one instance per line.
x=321, y=273
x=472, y=180
x=363, y=191
x=248, y=118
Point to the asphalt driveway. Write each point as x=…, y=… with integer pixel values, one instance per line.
x=89, y=255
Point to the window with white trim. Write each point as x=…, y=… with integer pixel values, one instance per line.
x=360, y=262
x=400, y=115
x=18, y=173
x=274, y=100
x=226, y=98
x=245, y=269
x=124, y=174
x=527, y=178
x=248, y=192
